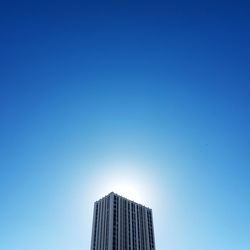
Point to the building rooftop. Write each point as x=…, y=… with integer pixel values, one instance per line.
x=124, y=198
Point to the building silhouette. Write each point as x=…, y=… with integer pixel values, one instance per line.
x=121, y=224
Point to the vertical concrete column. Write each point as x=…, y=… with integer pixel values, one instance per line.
x=101, y=219
x=136, y=228
x=153, y=233
x=102, y=227
x=110, y=244
x=119, y=221
x=147, y=231
x=131, y=227
x=99, y=225
x=127, y=221
x=93, y=228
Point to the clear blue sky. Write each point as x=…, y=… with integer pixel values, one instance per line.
x=163, y=84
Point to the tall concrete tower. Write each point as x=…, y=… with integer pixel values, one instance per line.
x=121, y=224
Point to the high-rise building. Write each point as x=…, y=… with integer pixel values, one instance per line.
x=121, y=224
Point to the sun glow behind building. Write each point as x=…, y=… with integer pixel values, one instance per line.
x=127, y=179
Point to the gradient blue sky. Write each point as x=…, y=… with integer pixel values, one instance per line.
x=157, y=88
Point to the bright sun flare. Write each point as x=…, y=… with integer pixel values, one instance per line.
x=127, y=190
x=128, y=182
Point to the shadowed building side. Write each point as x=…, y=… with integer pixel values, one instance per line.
x=121, y=224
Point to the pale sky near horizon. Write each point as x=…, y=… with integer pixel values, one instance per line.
x=149, y=98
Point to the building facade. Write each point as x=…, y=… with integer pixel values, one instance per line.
x=121, y=224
